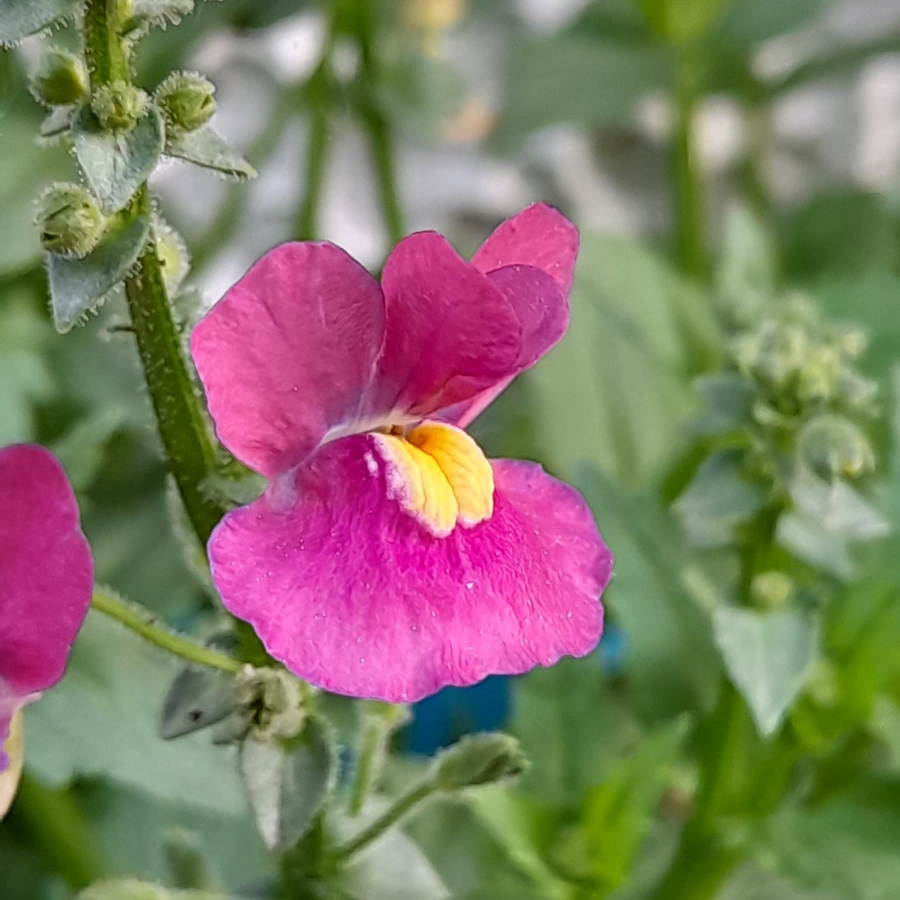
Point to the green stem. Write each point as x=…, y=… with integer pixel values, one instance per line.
x=144, y=623
x=307, y=226
x=104, y=50
x=381, y=141
x=182, y=425
x=60, y=831
x=401, y=806
x=689, y=195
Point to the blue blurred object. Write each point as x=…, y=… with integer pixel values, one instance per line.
x=443, y=718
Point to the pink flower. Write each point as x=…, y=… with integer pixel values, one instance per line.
x=46, y=577
x=387, y=557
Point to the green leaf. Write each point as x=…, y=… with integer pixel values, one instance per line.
x=524, y=829
x=25, y=378
x=287, y=782
x=670, y=659
x=199, y=697
x=840, y=509
x=117, y=164
x=768, y=656
x=618, y=814
x=747, y=269
x=753, y=21
x=847, y=847
x=580, y=80
x=79, y=285
x=563, y=718
x=615, y=391
x=19, y=18
x=727, y=403
x=205, y=148
x=392, y=867
x=101, y=720
x=130, y=889
x=718, y=500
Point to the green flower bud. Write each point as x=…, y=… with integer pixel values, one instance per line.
x=834, y=447
x=119, y=105
x=60, y=78
x=273, y=701
x=479, y=759
x=771, y=590
x=69, y=220
x=186, y=101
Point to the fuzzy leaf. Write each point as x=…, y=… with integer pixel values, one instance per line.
x=78, y=285
x=288, y=781
x=115, y=165
x=19, y=18
x=101, y=720
x=768, y=656
x=199, y=697
x=204, y=147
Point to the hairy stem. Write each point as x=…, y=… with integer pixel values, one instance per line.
x=144, y=623
x=188, y=445
x=400, y=807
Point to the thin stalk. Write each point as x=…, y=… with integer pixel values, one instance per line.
x=689, y=194
x=401, y=806
x=307, y=225
x=381, y=142
x=144, y=623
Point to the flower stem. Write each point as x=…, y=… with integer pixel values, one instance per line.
x=188, y=445
x=401, y=806
x=382, y=143
x=182, y=426
x=307, y=226
x=144, y=623
x=689, y=196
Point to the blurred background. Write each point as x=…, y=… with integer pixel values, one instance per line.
x=734, y=166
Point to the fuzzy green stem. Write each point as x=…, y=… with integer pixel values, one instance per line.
x=105, y=51
x=689, y=195
x=182, y=425
x=381, y=141
x=144, y=623
x=400, y=807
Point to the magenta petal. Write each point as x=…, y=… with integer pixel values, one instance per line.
x=350, y=593
x=46, y=574
x=288, y=353
x=542, y=308
x=450, y=334
x=539, y=236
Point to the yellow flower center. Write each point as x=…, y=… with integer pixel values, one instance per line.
x=439, y=475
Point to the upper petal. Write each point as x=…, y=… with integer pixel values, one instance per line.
x=351, y=593
x=539, y=236
x=542, y=308
x=46, y=571
x=289, y=352
x=449, y=333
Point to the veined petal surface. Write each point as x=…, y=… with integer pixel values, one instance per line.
x=288, y=354
x=352, y=593
x=450, y=334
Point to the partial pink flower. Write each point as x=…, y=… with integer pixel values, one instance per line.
x=387, y=557
x=46, y=577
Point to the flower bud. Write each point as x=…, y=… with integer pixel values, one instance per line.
x=186, y=101
x=273, y=700
x=480, y=759
x=118, y=106
x=834, y=447
x=60, y=78
x=174, y=258
x=69, y=220
x=771, y=590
